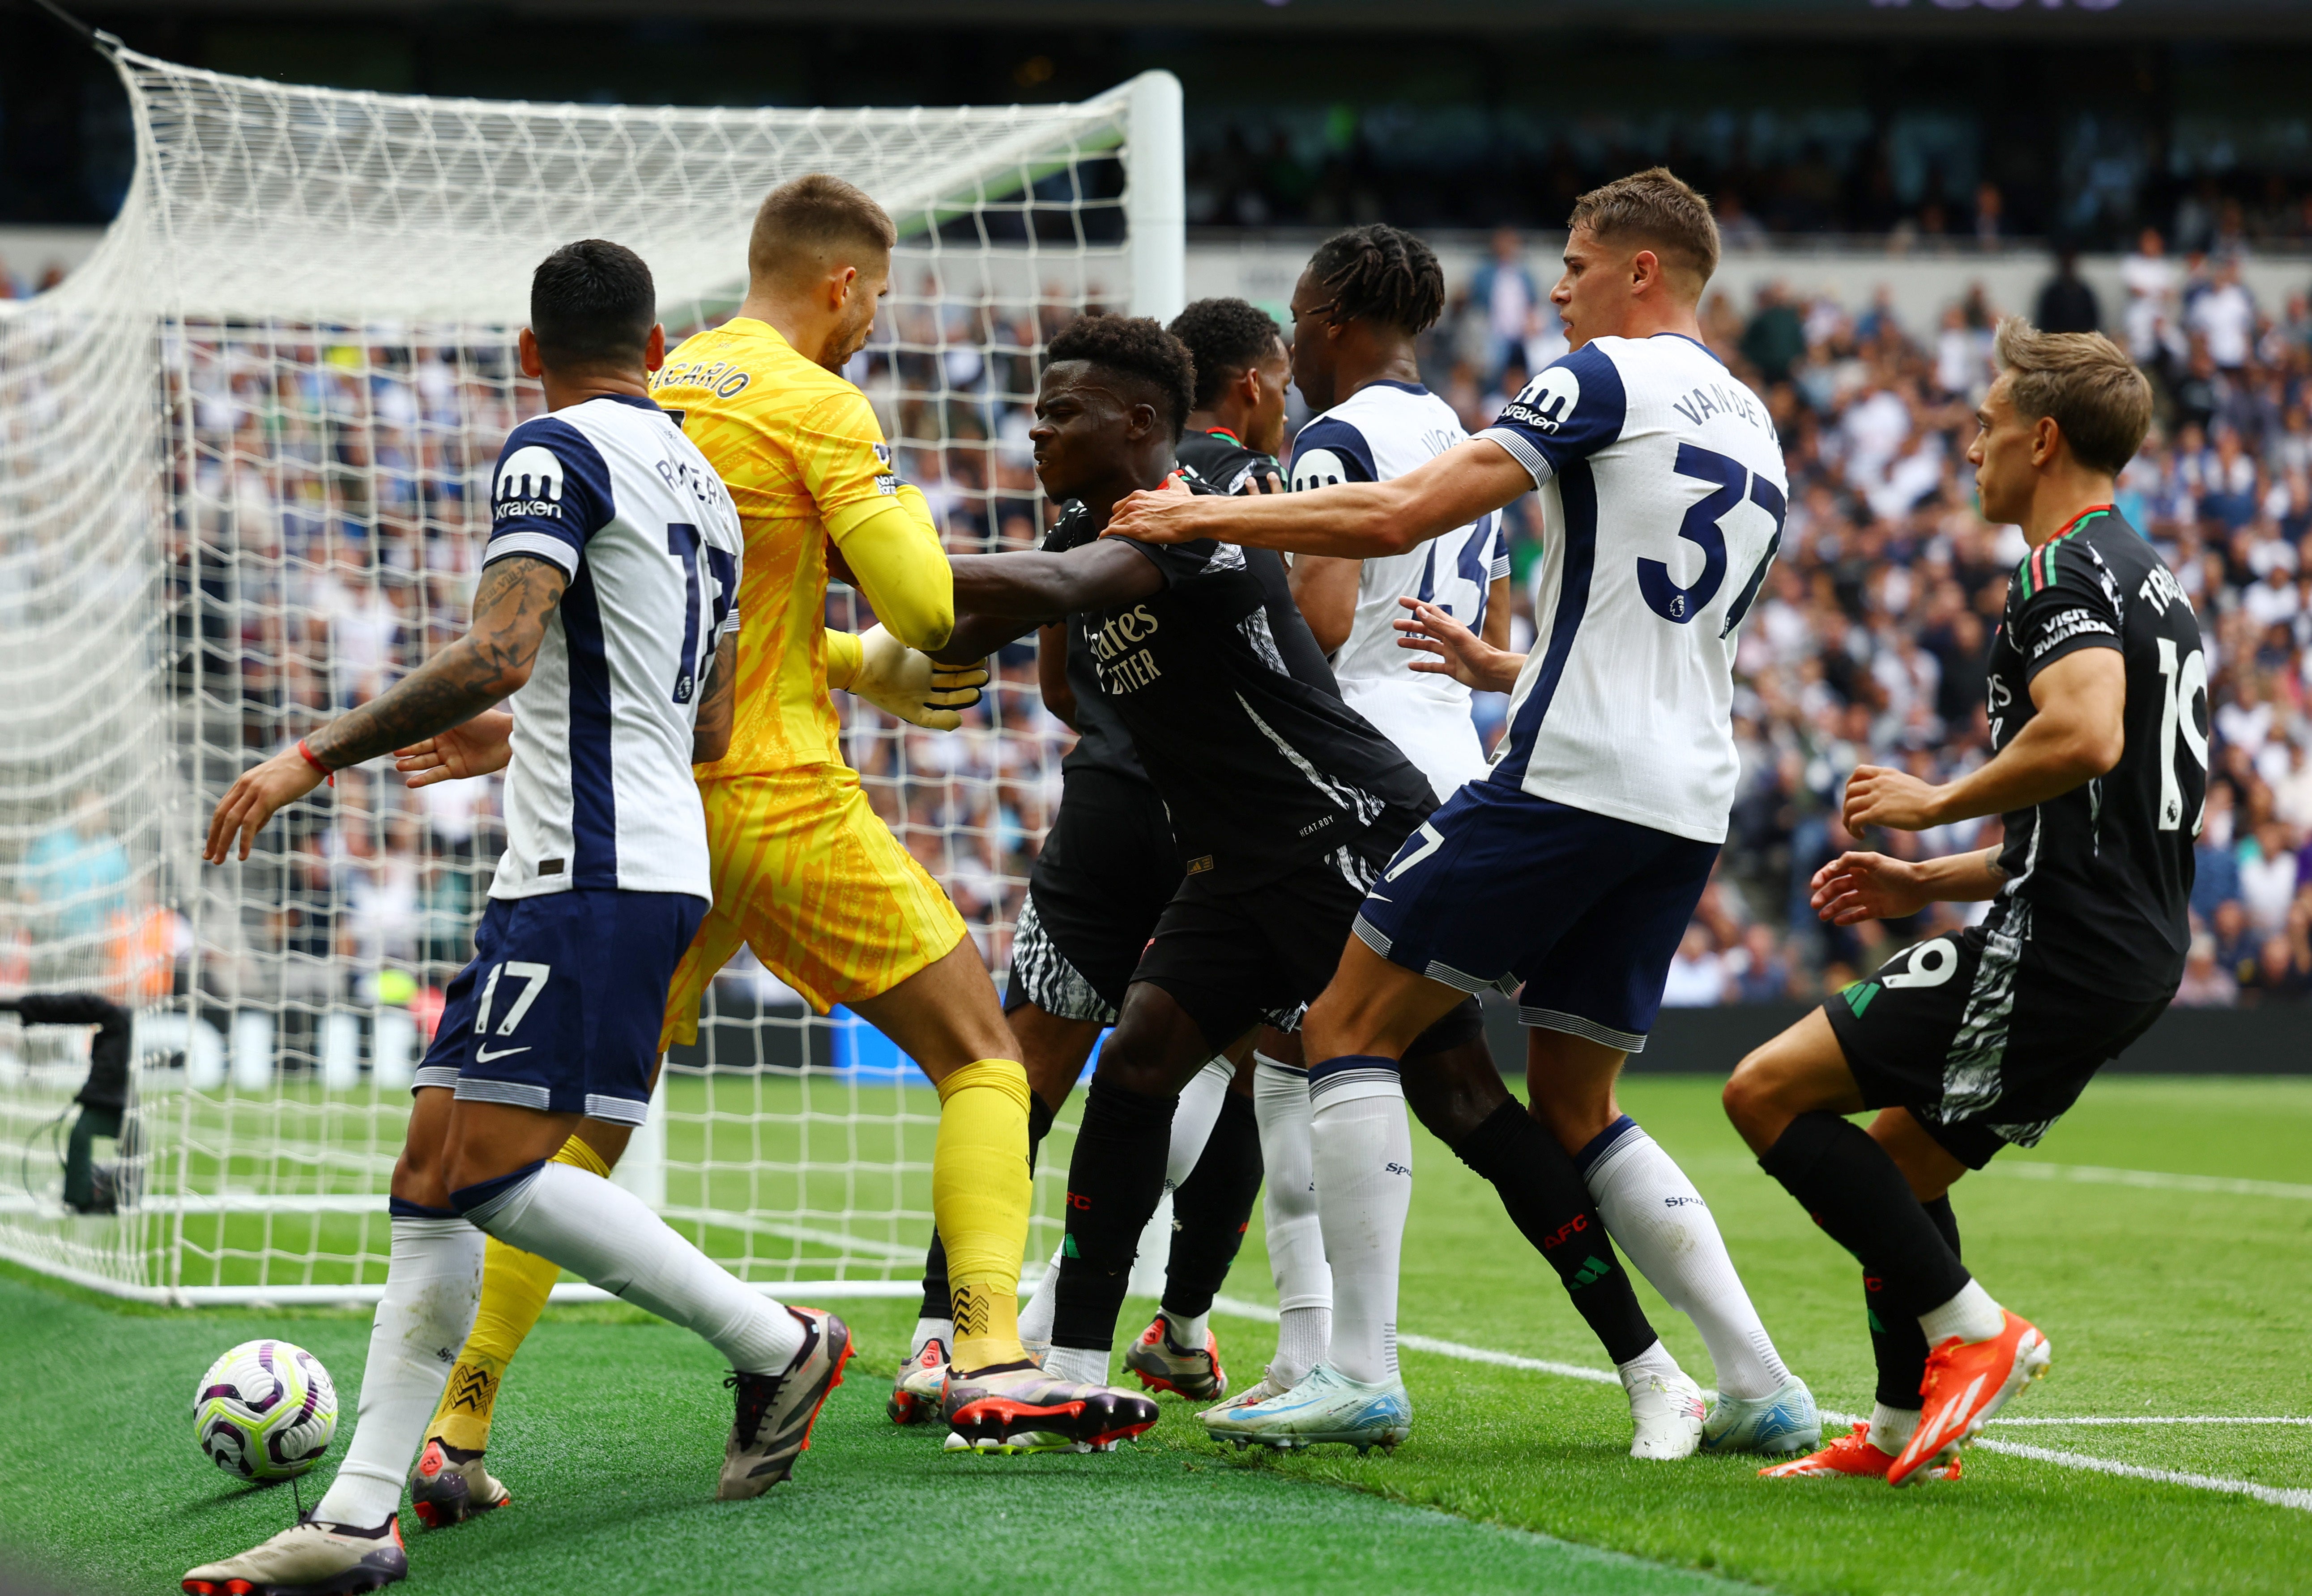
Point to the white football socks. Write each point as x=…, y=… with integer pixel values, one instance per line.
x=1187, y=1332
x=1192, y=1117
x=1891, y=1428
x=1652, y=1212
x=1654, y=1360
x=432, y=1284
x=928, y=1330
x=1296, y=1241
x=1363, y=1154
x=1035, y=1318
x=606, y=1234
x=1086, y=1365
x=1971, y=1316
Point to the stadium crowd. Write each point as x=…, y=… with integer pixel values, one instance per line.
x=331, y=497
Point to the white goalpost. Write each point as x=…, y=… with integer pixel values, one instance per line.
x=244, y=457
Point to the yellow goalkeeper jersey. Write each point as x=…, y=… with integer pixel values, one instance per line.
x=805, y=460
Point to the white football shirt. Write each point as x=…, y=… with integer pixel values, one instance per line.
x=1663, y=490
x=599, y=793
x=1382, y=431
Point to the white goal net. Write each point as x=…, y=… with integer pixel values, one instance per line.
x=244, y=456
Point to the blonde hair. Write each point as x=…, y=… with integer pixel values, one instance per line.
x=1659, y=209
x=2082, y=381
x=810, y=216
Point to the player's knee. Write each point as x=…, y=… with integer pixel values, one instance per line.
x=1750, y=1098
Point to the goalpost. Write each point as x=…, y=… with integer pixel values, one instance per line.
x=244, y=457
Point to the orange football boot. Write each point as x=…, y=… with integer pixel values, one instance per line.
x=1967, y=1382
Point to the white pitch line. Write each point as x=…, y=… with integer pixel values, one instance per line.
x=2300, y=1499
x=2088, y=1174
x=2163, y=1418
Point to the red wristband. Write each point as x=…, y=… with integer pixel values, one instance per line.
x=306, y=754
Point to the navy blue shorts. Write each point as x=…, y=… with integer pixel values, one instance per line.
x=561, y=1008
x=1501, y=889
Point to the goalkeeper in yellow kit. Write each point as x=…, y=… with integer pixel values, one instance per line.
x=804, y=872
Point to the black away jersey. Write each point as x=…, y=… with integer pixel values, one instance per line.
x=2099, y=881
x=1236, y=716
x=1224, y=465
x=1216, y=461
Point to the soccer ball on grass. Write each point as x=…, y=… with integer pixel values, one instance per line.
x=265, y=1410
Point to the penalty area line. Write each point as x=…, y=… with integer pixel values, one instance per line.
x=2300, y=1499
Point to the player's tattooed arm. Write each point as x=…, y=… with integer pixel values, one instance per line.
x=517, y=596
x=710, y=734
x=1001, y=597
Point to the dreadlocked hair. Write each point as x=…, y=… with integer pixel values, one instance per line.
x=1135, y=346
x=1226, y=338
x=1382, y=273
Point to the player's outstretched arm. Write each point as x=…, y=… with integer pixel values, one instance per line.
x=894, y=557
x=1354, y=520
x=1006, y=596
x=1455, y=651
x=2079, y=733
x=492, y=661
x=1855, y=887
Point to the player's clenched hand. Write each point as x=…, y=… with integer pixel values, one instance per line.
x=483, y=744
x=1456, y=651
x=251, y=802
x=1155, y=515
x=1856, y=887
x=910, y=684
x=1878, y=796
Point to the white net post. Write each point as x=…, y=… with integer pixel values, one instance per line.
x=243, y=464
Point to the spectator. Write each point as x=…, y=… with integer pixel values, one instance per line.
x=2152, y=284
x=1990, y=213
x=2206, y=983
x=77, y=871
x=1775, y=338
x=1698, y=973
x=1505, y=291
x=2225, y=315
x=2067, y=305
x=2267, y=878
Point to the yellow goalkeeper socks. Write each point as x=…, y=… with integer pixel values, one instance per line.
x=980, y=1198
x=514, y=1287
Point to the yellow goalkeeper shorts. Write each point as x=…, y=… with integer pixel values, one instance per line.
x=808, y=876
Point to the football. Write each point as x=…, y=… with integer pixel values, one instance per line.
x=265, y=1410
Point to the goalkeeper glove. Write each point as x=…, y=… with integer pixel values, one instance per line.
x=912, y=684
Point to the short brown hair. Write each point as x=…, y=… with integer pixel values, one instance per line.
x=2096, y=397
x=1655, y=209
x=811, y=216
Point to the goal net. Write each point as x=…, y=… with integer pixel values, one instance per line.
x=244, y=462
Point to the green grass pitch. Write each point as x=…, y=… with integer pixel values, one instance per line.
x=2162, y=1302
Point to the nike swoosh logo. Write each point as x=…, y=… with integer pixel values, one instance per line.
x=1377, y=898
x=484, y=1056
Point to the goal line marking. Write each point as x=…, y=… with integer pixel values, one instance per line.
x=2301, y=1500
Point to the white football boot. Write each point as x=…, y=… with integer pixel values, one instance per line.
x=1667, y=1412
x=1784, y=1420
x=1328, y=1406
